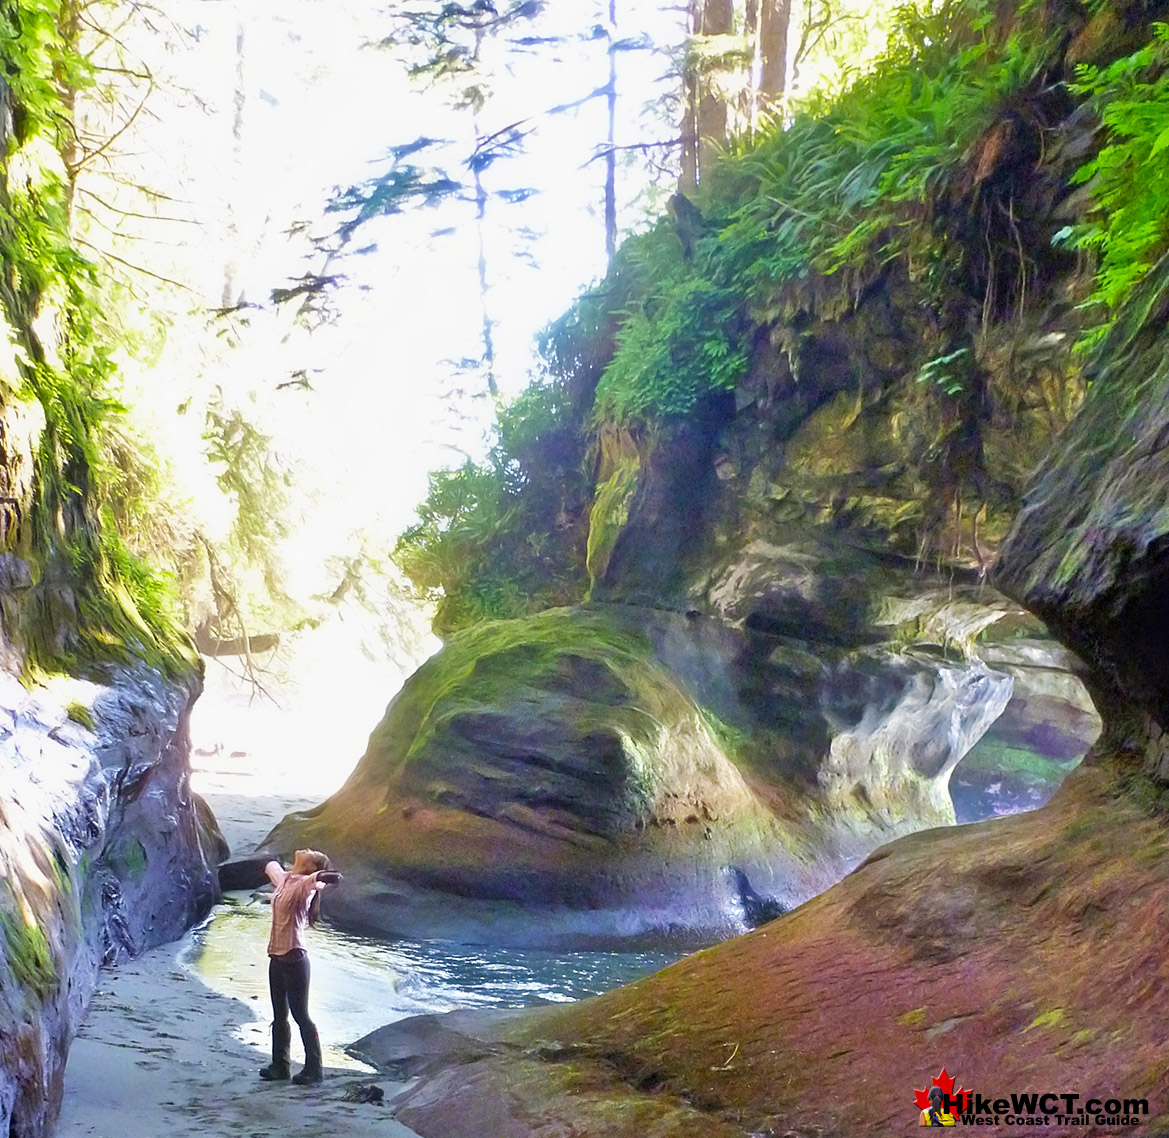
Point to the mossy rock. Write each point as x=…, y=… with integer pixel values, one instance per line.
x=1024, y=947
x=548, y=763
x=1089, y=550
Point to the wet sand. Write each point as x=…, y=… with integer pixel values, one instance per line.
x=158, y=1056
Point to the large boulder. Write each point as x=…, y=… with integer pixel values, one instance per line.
x=607, y=772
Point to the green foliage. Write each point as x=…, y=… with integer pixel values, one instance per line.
x=857, y=178
x=502, y=538
x=40, y=64
x=250, y=477
x=92, y=600
x=945, y=371
x=1130, y=227
x=685, y=340
x=79, y=713
x=857, y=172
x=28, y=954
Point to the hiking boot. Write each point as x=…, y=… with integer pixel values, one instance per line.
x=279, y=1069
x=312, y=1072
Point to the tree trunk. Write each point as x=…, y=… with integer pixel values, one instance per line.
x=773, y=35
x=718, y=19
x=611, y=155
x=481, y=235
x=750, y=101
x=68, y=27
x=231, y=290
x=688, y=177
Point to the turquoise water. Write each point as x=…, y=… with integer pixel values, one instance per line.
x=359, y=984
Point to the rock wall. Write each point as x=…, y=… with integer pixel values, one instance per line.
x=104, y=851
x=1012, y=955
x=1089, y=551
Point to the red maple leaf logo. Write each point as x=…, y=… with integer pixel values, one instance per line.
x=943, y=1080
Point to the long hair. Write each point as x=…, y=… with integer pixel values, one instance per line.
x=314, y=909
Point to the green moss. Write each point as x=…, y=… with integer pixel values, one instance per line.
x=731, y=740
x=128, y=859
x=79, y=713
x=915, y=1018
x=28, y=953
x=826, y=444
x=1018, y=763
x=492, y=662
x=1052, y=1018
x=91, y=601
x=609, y=515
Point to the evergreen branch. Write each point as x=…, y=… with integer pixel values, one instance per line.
x=644, y=147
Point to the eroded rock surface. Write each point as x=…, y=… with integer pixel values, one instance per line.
x=1089, y=551
x=1021, y=953
x=104, y=851
x=609, y=773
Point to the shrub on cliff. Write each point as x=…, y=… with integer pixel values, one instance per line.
x=504, y=537
x=88, y=597
x=941, y=183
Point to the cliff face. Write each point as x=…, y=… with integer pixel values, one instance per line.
x=808, y=421
x=105, y=852
x=1018, y=954
x=1089, y=551
x=804, y=559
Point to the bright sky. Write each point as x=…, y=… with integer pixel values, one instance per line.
x=320, y=110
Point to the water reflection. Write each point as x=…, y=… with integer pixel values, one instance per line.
x=359, y=984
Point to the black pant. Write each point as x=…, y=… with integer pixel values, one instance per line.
x=288, y=983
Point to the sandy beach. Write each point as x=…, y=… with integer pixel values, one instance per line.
x=160, y=1053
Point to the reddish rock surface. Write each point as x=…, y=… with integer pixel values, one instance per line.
x=1024, y=954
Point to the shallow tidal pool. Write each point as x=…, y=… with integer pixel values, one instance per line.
x=359, y=984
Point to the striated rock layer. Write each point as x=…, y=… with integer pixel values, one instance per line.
x=104, y=852
x=1022, y=955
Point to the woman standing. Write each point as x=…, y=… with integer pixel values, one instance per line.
x=295, y=904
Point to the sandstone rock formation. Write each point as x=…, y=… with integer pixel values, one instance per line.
x=104, y=852
x=608, y=773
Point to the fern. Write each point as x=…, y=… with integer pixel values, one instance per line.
x=1129, y=229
